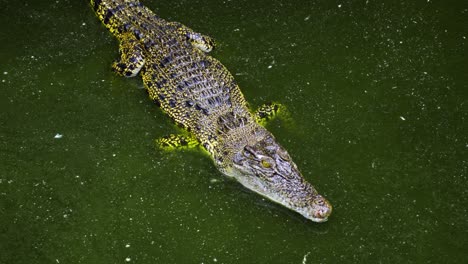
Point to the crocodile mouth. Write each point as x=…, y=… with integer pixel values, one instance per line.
x=319, y=220
x=309, y=204
x=321, y=214
x=318, y=209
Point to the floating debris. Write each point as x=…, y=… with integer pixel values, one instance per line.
x=304, y=260
x=58, y=136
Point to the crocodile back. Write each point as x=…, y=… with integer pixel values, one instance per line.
x=195, y=89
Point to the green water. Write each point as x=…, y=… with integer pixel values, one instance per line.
x=377, y=92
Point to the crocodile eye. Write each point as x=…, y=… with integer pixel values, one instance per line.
x=266, y=164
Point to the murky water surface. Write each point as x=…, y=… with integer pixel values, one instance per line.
x=378, y=96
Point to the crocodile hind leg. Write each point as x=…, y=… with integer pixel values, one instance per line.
x=173, y=142
x=131, y=56
x=268, y=112
x=198, y=40
x=201, y=42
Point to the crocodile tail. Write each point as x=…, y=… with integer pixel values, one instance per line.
x=116, y=15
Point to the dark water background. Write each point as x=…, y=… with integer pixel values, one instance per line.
x=377, y=91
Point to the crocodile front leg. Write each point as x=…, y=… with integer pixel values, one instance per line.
x=268, y=112
x=131, y=56
x=173, y=142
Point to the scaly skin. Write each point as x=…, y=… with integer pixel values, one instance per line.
x=200, y=94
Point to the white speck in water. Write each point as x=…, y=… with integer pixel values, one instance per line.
x=128, y=259
x=236, y=30
x=127, y=246
x=464, y=37
x=402, y=118
x=307, y=18
x=213, y=180
x=56, y=260
x=3, y=81
x=270, y=66
x=215, y=260
x=5, y=73
x=304, y=260
x=339, y=6
x=58, y=136
x=113, y=155
x=84, y=24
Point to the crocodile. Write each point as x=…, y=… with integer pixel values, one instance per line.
x=202, y=97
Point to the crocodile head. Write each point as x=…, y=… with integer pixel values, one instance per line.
x=266, y=168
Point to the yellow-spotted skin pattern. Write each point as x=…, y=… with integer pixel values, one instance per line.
x=200, y=94
x=132, y=57
x=194, y=89
x=176, y=142
x=267, y=112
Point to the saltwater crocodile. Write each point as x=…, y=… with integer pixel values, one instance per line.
x=200, y=94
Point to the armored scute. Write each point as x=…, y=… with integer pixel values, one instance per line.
x=200, y=94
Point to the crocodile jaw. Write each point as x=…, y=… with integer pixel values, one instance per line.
x=313, y=206
x=299, y=195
